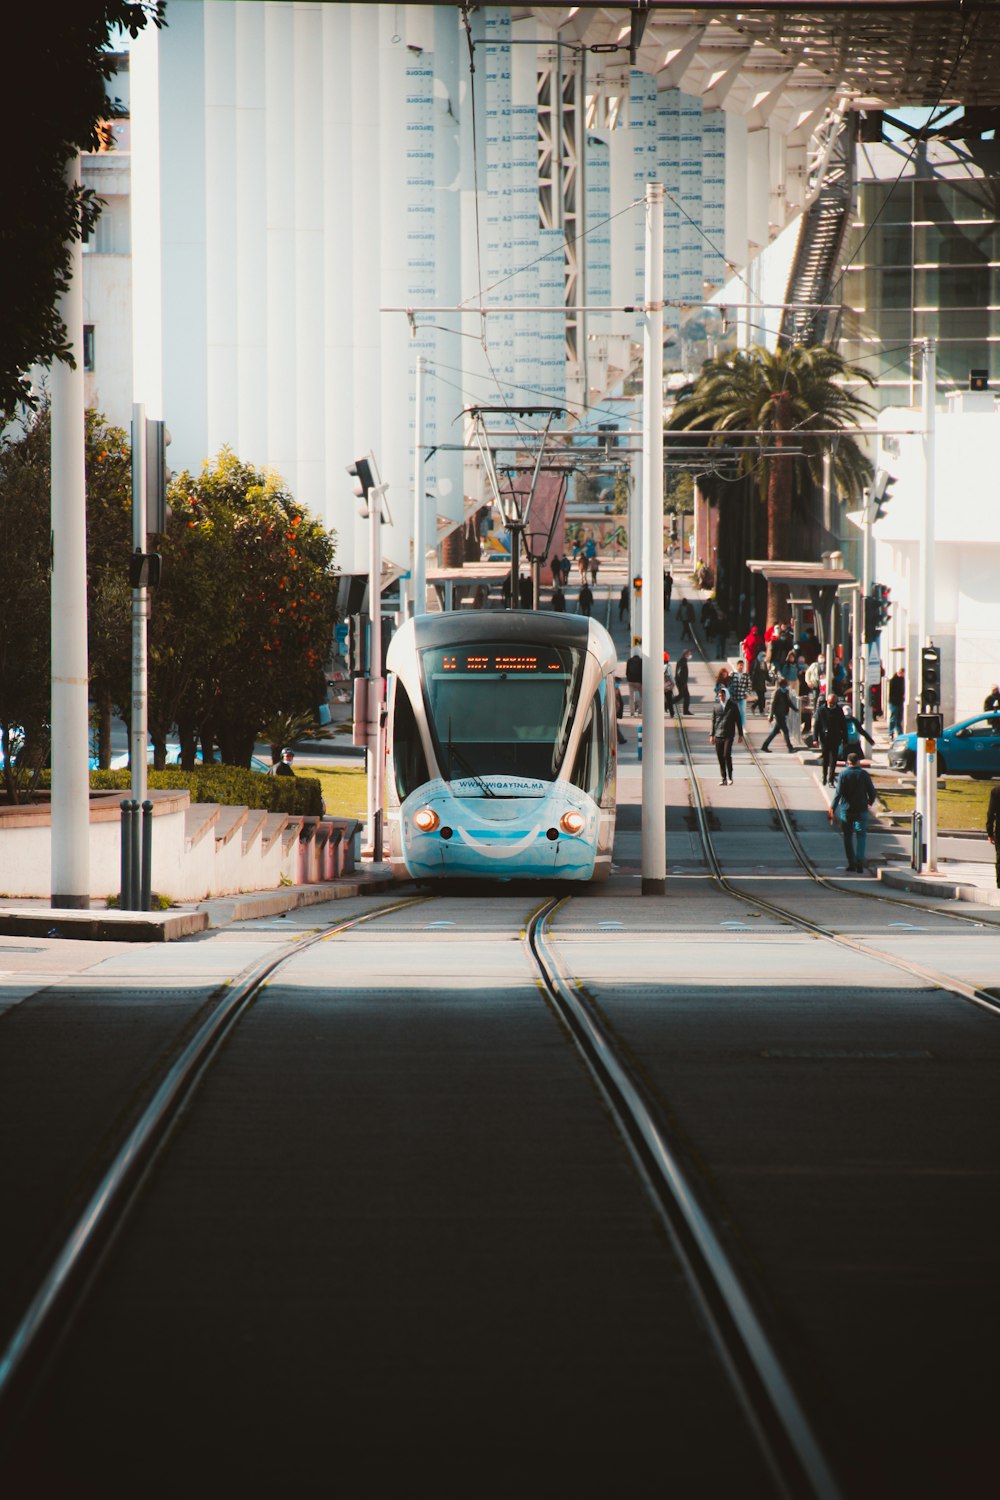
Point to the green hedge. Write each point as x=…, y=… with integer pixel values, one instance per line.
x=233, y=786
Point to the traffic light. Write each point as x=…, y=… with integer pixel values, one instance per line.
x=871, y=619
x=357, y=645
x=884, y=604
x=158, y=476
x=364, y=480
x=881, y=493
x=930, y=677
x=637, y=586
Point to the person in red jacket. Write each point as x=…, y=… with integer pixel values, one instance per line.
x=752, y=643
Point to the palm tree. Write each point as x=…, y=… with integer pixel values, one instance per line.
x=782, y=398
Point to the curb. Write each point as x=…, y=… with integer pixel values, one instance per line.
x=949, y=890
x=109, y=926
x=223, y=910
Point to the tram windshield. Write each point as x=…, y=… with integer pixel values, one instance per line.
x=500, y=709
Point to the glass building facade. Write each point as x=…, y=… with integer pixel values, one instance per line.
x=922, y=260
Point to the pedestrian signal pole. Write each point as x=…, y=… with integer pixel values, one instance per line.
x=926, y=767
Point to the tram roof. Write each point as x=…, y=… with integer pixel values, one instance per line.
x=522, y=625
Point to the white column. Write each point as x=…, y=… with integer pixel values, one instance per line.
x=70, y=776
x=654, y=851
x=419, y=578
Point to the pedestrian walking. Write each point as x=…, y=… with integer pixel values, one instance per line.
x=554, y=567
x=830, y=729
x=752, y=643
x=991, y=704
x=855, y=794
x=993, y=825
x=897, y=700
x=708, y=616
x=559, y=601
x=564, y=567
x=581, y=563
x=681, y=682
x=668, y=588
x=685, y=615
x=668, y=692
x=524, y=591
x=781, y=707
x=739, y=688
x=595, y=564
x=726, y=727
x=586, y=600
x=758, y=681
x=624, y=603
x=633, y=676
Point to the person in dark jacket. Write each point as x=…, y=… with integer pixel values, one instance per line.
x=284, y=766
x=758, y=681
x=830, y=728
x=726, y=727
x=586, y=602
x=993, y=825
x=633, y=676
x=619, y=714
x=524, y=591
x=855, y=793
x=897, y=699
x=991, y=703
x=685, y=615
x=668, y=588
x=558, y=600
x=681, y=682
x=781, y=707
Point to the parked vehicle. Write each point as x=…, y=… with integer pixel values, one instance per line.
x=968, y=748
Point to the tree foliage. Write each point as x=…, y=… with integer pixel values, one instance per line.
x=782, y=399
x=25, y=580
x=55, y=88
x=240, y=628
x=242, y=623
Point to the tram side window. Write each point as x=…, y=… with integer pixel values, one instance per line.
x=407, y=750
x=591, y=768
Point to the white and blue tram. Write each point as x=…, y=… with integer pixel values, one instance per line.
x=501, y=747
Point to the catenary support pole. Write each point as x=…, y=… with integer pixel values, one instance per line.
x=70, y=805
x=418, y=602
x=140, y=610
x=654, y=844
x=927, y=761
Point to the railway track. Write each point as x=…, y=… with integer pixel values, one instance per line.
x=976, y=995
x=763, y=1391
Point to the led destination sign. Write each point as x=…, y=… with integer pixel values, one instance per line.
x=502, y=663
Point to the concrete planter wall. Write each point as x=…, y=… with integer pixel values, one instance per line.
x=198, y=851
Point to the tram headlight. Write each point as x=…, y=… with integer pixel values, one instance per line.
x=573, y=822
x=426, y=819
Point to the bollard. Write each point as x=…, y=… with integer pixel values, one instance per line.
x=135, y=861
x=917, y=842
x=147, y=856
x=638, y=742
x=126, y=856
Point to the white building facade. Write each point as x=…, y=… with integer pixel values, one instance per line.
x=296, y=168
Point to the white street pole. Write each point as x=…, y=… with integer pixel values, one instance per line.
x=375, y=766
x=634, y=550
x=654, y=844
x=927, y=759
x=418, y=602
x=70, y=805
x=861, y=674
x=138, y=736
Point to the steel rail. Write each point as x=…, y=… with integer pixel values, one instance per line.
x=778, y=1420
x=935, y=978
x=809, y=868
x=116, y=1192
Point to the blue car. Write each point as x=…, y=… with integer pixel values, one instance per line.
x=969, y=748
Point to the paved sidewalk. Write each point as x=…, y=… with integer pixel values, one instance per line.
x=25, y=917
